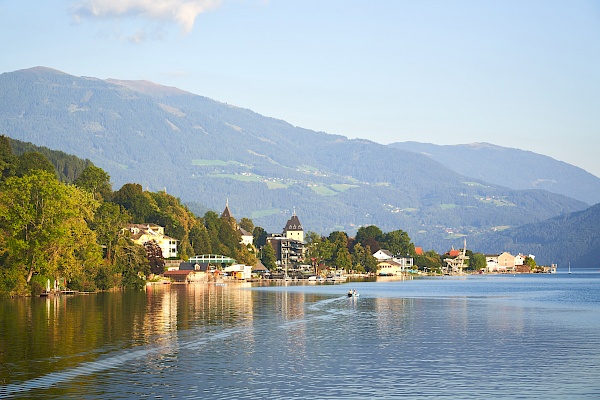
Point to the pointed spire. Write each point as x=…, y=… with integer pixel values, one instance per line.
x=227, y=213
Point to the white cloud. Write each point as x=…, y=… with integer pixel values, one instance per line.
x=182, y=12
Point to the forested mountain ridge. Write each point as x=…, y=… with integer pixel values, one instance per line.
x=204, y=151
x=573, y=238
x=513, y=168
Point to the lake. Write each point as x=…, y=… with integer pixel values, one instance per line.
x=485, y=336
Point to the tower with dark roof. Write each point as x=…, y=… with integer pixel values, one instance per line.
x=293, y=229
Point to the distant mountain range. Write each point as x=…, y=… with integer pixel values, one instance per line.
x=513, y=168
x=205, y=152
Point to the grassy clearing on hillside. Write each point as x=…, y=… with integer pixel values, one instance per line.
x=277, y=185
x=243, y=178
x=264, y=213
x=323, y=190
x=448, y=206
x=497, y=201
x=342, y=187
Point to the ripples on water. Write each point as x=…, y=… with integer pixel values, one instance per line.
x=477, y=337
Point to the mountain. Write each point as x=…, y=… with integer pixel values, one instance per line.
x=513, y=168
x=573, y=238
x=205, y=152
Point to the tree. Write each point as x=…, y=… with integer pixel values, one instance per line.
x=398, y=243
x=45, y=225
x=362, y=260
x=318, y=250
x=477, y=261
x=431, y=261
x=8, y=161
x=138, y=203
x=247, y=224
x=245, y=256
x=267, y=257
x=229, y=238
x=369, y=236
x=155, y=257
x=96, y=181
x=259, y=237
x=530, y=262
x=341, y=255
x=108, y=222
x=212, y=222
x=131, y=262
x=199, y=239
x=29, y=162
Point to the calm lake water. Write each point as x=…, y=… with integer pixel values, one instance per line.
x=494, y=337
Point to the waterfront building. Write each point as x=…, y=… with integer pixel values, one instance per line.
x=288, y=245
x=389, y=265
x=143, y=233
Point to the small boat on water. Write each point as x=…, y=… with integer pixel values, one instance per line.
x=353, y=293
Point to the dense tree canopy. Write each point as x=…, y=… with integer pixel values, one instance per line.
x=44, y=225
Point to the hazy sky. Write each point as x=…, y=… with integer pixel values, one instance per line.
x=522, y=74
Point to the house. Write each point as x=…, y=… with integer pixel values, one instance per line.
x=247, y=237
x=389, y=265
x=239, y=271
x=506, y=262
x=382, y=255
x=289, y=245
x=389, y=268
x=143, y=233
x=491, y=262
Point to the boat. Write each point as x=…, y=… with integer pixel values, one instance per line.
x=569, y=268
x=337, y=277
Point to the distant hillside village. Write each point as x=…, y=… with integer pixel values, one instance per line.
x=288, y=252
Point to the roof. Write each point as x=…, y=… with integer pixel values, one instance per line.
x=227, y=212
x=177, y=272
x=387, y=253
x=244, y=232
x=293, y=224
x=259, y=267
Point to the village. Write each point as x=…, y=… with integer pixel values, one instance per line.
x=290, y=250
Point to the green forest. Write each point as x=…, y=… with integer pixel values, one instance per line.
x=61, y=220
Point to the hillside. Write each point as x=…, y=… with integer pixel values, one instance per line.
x=513, y=168
x=573, y=238
x=204, y=152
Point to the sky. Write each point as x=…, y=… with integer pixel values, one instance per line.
x=516, y=73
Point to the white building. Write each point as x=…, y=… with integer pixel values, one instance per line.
x=143, y=233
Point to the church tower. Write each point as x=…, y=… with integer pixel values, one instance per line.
x=227, y=212
x=293, y=229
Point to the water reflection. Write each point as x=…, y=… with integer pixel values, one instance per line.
x=425, y=338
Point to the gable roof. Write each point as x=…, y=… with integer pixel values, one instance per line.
x=383, y=254
x=244, y=232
